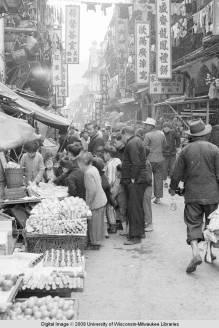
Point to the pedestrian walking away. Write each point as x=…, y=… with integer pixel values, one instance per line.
x=170, y=150
x=198, y=167
x=134, y=179
x=155, y=142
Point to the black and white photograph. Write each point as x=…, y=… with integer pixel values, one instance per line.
x=109, y=163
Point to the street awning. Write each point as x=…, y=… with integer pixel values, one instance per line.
x=24, y=105
x=14, y=132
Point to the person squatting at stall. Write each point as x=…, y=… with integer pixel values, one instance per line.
x=95, y=199
x=32, y=162
x=198, y=167
x=134, y=180
x=155, y=141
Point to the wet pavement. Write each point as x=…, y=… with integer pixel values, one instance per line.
x=148, y=281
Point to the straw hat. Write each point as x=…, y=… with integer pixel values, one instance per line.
x=198, y=128
x=150, y=121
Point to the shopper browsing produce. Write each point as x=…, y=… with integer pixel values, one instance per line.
x=95, y=198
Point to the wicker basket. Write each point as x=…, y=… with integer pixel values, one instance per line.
x=14, y=177
x=35, y=243
x=15, y=193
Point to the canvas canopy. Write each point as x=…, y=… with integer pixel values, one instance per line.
x=14, y=132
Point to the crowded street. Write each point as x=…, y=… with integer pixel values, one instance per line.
x=148, y=281
x=109, y=163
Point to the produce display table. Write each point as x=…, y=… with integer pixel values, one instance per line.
x=26, y=200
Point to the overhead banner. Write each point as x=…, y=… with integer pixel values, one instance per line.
x=164, y=62
x=72, y=34
x=215, y=17
x=142, y=44
x=168, y=87
x=57, y=68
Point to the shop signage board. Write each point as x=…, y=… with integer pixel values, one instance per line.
x=163, y=26
x=142, y=46
x=72, y=34
x=216, y=17
x=59, y=101
x=169, y=87
x=63, y=89
x=57, y=68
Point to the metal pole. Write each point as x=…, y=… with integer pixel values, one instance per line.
x=2, y=50
x=207, y=114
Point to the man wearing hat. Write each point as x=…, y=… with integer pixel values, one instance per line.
x=198, y=167
x=155, y=142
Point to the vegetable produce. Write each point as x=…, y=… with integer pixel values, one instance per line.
x=47, y=190
x=52, y=216
x=44, y=308
x=53, y=281
x=63, y=258
x=7, y=281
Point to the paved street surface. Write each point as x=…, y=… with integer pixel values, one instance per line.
x=148, y=281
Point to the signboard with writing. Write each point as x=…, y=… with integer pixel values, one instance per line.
x=173, y=86
x=57, y=68
x=72, y=33
x=215, y=17
x=59, y=101
x=63, y=89
x=142, y=41
x=164, y=63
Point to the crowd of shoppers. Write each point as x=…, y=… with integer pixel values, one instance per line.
x=119, y=173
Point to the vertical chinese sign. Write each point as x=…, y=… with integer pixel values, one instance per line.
x=142, y=41
x=72, y=34
x=56, y=37
x=63, y=89
x=164, y=61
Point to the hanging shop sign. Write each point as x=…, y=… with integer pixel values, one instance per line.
x=168, y=87
x=59, y=101
x=72, y=33
x=57, y=68
x=56, y=38
x=63, y=89
x=164, y=69
x=216, y=17
x=142, y=33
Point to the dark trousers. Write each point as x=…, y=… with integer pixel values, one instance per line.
x=135, y=209
x=194, y=218
x=168, y=166
x=157, y=169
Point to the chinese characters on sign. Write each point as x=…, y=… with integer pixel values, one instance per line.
x=164, y=70
x=215, y=17
x=57, y=68
x=63, y=89
x=173, y=86
x=142, y=53
x=72, y=32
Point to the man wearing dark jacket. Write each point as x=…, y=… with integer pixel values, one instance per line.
x=170, y=150
x=198, y=167
x=96, y=140
x=135, y=181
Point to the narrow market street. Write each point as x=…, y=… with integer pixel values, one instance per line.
x=148, y=281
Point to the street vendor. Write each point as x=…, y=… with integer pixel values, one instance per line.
x=32, y=162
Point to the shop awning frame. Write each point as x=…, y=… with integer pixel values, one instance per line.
x=20, y=104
